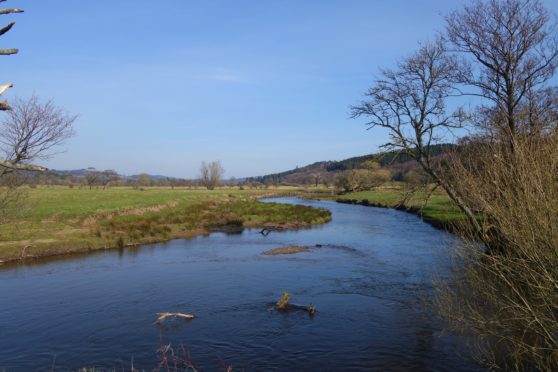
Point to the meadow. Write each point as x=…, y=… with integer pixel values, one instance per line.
x=62, y=220
x=438, y=210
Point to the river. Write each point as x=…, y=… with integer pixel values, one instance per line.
x=369, y=281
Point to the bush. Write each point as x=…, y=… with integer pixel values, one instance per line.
x=507, y=293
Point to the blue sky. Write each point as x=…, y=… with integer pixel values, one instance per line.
x=263, y=86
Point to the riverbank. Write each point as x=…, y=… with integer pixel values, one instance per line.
x=59, y=221
x=439, y=211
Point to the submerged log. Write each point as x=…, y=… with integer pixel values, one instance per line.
x=163, y=316
x=283, y=301
x=284, y=305
x=266, y=230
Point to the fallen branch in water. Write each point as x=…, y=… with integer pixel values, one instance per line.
x=284, y=305
x=266, y=230
x=163, y=316
x=283, y=301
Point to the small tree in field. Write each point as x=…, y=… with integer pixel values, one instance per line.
x=108, y=177
x=144, y=180
x=30, y=131
x=211, y=174
x=92, y=177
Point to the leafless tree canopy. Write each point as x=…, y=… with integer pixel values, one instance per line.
x=95, y=177
x=32, y=130
x=511, y=51
x=503, y=178
x=211, y=174
x=411, y=103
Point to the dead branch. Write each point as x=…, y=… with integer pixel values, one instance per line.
x=19, y=166
x=284, y=305
x=163, y=316
x=10, y=11
x=5, y=87
x=7, y=52
x=6, y=28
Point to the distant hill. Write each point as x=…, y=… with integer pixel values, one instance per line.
x=151, y=176
x=397, y=162
x=83, y=173
x=328, y=169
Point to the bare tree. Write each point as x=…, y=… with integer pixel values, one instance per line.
x=410, y=102
x=32, y=131
x=173, y=182
x=510, y=51
x=144, y=180
x=92, y=177
x=107, y=177
x=211, y=174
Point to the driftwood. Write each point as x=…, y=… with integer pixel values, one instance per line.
x=163, y=316
x=284, y=305
x=266, y=230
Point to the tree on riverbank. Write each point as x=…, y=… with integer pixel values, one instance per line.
x=410, y=102
x=503, y=177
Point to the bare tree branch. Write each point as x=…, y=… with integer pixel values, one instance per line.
x=10, y=11
x=6, y=28
x=510, y=50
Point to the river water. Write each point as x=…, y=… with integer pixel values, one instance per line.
x=369, y=281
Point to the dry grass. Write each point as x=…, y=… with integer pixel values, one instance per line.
x=506, y=293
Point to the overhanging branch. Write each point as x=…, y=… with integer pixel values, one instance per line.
x=20, y=166
x=10, y=11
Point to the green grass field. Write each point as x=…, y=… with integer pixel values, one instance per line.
x=58, y=220
x=439, y=209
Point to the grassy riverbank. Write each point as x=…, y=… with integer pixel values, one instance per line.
x=440, y=211
x=61, y=220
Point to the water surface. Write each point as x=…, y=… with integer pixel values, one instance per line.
x=368, y=282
